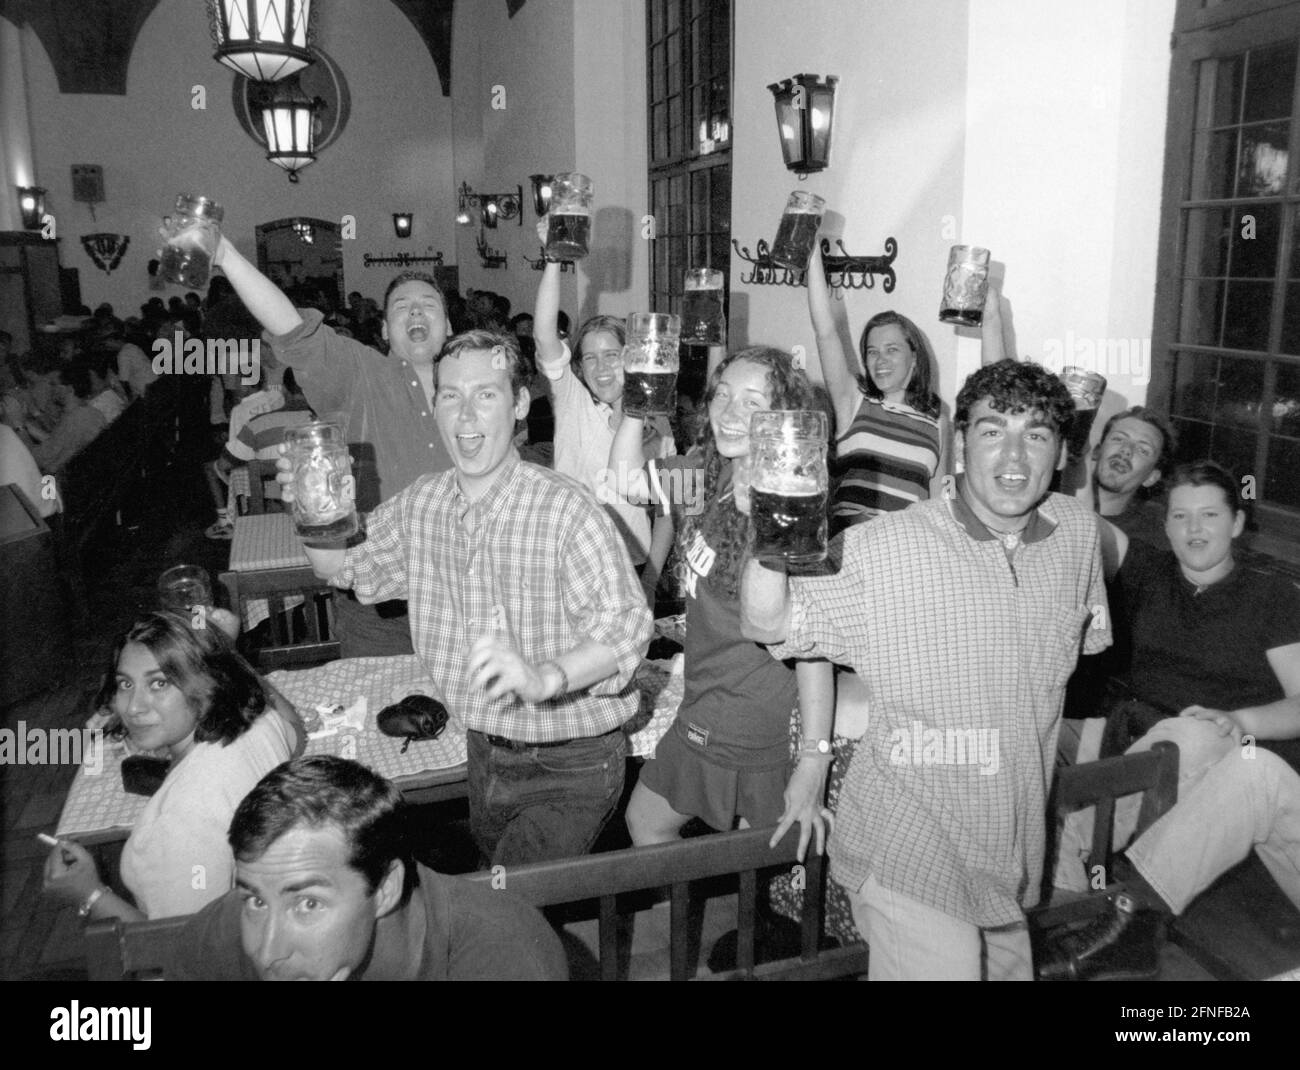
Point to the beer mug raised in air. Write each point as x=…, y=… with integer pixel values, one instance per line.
x=788, y=484
x=650, y=364
x=568, y=222
x=192, y=238
x=324, y=494
x=702, y=321
x=1087, y=388
x=799, y=225
x=965, y=286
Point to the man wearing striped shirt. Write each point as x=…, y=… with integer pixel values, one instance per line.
x=524, y=607
x=964, y=616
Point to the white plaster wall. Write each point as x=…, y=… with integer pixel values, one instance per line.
x=395, y=154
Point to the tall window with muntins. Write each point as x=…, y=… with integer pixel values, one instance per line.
x=1233, y=377
x=689, y=98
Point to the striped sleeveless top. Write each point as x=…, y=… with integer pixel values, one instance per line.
x=883, y=462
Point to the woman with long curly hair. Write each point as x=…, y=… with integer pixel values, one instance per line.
x=726, y=755
x=184, y=692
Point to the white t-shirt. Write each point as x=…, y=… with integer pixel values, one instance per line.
x=135, y=369
x=177, y=860
x=17, y=465
x=583, y=439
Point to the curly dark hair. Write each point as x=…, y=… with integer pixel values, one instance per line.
x=222, y=689
x=920, y=393
x=1016, y=387
x=724, y=527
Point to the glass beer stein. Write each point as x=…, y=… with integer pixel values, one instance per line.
x=192, y=241
x=799, y=225
x=183, y=587
x=788, y=485
x=568, y=223
x=1087, y=388
x=324, y=493
x=650, y=364
x=702, y=320
x=965, y=286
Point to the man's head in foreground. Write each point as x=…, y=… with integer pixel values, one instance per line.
x=320, y=856
x=480, y=394
x=1010, y=425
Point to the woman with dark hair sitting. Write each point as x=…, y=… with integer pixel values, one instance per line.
x=1216, y=670
x=185, y=692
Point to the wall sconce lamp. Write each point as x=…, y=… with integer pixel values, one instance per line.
x=493, y=207
x=31, y=203
x=264, y=40
x=491, y=258
x=541, y=193
x=289, y=121
x=402, y=224
x=805, y=108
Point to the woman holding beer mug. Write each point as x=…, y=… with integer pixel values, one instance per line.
x=587, y=392
x=727, y=753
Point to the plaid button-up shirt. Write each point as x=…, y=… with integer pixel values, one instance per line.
x=966, y=648
x=534, y=561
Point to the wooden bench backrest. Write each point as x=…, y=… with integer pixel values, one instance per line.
x=118, y=951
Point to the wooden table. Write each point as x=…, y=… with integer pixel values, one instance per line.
x=98, y=811
x=266, y=561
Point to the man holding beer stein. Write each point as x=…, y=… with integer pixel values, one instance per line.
x=965, y=616
x=525, y=611
x=386, y=401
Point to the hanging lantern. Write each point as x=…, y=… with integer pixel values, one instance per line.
x=264, y=40
x=805, y=107
x=31, y=204
x=289, y=123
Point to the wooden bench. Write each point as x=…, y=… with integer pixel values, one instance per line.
x=119, y=951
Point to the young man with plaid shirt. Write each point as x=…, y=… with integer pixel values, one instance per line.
x=964, y=616
x=524, y=606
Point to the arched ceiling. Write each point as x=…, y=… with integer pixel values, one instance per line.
x=90, y=41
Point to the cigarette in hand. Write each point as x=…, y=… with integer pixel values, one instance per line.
x=47, y=839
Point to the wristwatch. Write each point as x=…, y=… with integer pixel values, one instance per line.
x=817, y=748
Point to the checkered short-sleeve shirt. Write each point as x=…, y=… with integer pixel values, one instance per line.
x=966, y=650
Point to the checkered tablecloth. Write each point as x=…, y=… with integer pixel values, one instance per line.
x=261, y=542
x=96, y=803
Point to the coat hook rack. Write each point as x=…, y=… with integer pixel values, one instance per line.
x=843, y=272
x=540, y=263
x=404, y=259
x=492, y=258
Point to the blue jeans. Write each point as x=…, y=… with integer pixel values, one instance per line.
x=541, y=803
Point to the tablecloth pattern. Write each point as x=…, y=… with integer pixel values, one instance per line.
x=97, y=803
x=263, y=542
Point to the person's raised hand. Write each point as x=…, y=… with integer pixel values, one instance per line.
x=543, y=228
x=284, y=473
